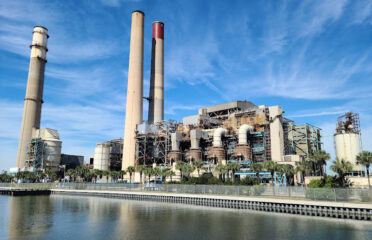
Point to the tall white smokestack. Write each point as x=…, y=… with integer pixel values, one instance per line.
x=34, y=92
x=156, y=103
x=133, y=111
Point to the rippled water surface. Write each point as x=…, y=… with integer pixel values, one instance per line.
x=71, y=217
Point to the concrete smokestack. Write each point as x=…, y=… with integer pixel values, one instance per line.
x=156, y=104
x=34, y=92
x=133, y=112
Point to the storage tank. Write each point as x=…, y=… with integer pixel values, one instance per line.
x=347, y=138
x=348, y=147
x=102, y=156
x=52, y=149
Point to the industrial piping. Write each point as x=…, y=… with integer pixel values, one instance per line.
x=243, y=131
x=156, y=98
x=34, y=92
x=217, y=137
x=134, y=106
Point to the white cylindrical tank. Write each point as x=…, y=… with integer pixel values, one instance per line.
x=53, y=146
x=101, y=156
x=348, y=147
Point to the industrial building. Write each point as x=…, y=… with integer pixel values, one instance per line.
x=237, y=131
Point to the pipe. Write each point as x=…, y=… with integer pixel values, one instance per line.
x=34, y=92
x=243, y=131
x=134, y=105
x=217, y=137
x=195, y=136
x=176, y=138
x=156, y=97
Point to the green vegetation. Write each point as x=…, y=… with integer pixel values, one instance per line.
x=365, y=159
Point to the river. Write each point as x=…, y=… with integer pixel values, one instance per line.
x=73, y=217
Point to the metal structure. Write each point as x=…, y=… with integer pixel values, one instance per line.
x=35, y=154
x=304, y=140
x=34, y=92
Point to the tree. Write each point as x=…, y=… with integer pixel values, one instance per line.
x=140, y=169
x=303, y=167
x=82, y=172
x=233, y=167
x=271, y=166
x=130, y=170
x=170, y=174
x=257, y=168
x=180, y=166
x=114, y=175
x=51, y=175
x=187, y=169
x=72, y=174
x=148, y=172
x=221, y=171
x=365, y=159
x=198, y=165
x=341, y=167
x=122, y=173
x=320, y=160
x=288, y=170
x=4, y=177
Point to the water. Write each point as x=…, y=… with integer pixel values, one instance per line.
x=72, y=217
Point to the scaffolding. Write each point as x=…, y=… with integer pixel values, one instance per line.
x=35, y=153
x=304, y=140
x=154, y=144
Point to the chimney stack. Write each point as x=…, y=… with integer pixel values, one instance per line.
x=133, y=111
x=156, y=103
x=34, y=92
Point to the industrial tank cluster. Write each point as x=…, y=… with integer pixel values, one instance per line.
x=237, y=131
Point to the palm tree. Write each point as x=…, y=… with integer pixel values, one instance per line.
x=130, y=170
x=257, y=168
x=365, y=158
x=187, y=170
x=180, y=166
x=114, y=175
x=148, y=172
x=198, y=165
x=72, y=174
x=271, y=166
x=51, y=175
x=303, y=167
x=341, y=167
x=170, y=174
x=288, y=171
x=320, y=160
x=233, y=166
x=221, y=171
x=140, y=169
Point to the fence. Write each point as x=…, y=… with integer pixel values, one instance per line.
x=323, y=194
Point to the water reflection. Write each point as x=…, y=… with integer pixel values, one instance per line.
x=71, y=217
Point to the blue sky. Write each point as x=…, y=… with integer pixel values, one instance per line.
x=311, y=57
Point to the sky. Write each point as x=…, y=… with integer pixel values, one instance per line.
x=311, y=57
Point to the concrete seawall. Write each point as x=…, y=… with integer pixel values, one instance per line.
x=299, y=207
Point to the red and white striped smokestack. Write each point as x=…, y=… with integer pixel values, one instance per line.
x=156, y=104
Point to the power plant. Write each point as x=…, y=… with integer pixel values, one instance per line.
x=237, y=131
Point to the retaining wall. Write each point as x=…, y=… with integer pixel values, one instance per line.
x=300, y=207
